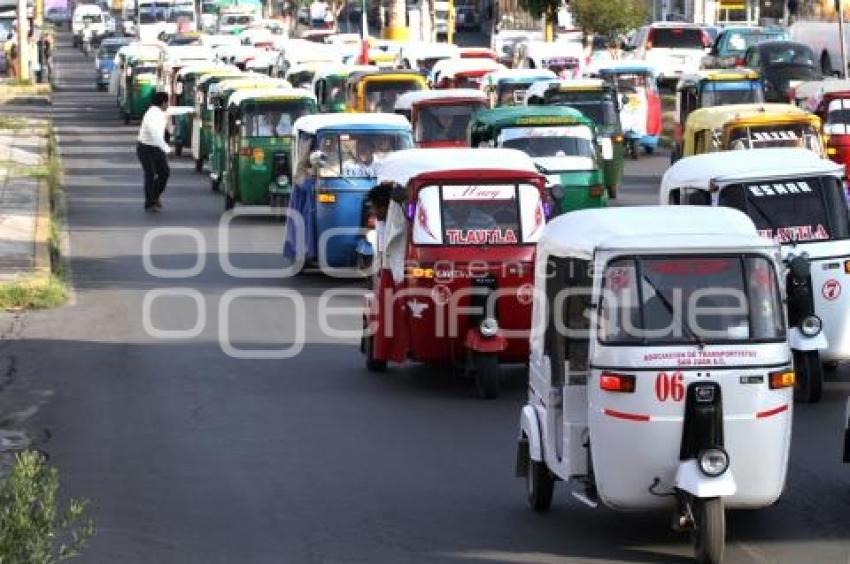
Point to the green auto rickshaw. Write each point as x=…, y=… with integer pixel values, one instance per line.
x=561, y=141
x=258, y=134
x=185, y=85
x=329, y=86
x=139, y=86
x=202, y=125
x=596, y=99
x=218, y=96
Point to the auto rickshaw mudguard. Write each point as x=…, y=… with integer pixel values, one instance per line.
x=339, y=224
x=689, y=478
x=529, y=425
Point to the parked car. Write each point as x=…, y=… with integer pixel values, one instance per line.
x=782, y=65
x=728, y=49
x=59, y=17
x=673, y=48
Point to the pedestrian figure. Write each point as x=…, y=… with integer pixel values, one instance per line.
x=152, y=151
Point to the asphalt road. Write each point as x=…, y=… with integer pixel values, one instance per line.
x=189, y=455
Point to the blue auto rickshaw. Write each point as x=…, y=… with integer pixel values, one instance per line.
x=104, y=60
x=335, y=160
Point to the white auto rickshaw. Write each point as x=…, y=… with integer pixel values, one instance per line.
x=659, y=372
x=796, y=198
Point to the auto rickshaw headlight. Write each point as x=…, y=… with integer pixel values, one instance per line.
x=811, y=325
x=713, y=462
x=489, y=327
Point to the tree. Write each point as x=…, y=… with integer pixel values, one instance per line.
x=610, y=17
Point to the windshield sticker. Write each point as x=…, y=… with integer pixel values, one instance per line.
x=701, y=358
x=576, y=131
x=780, y=189
x=481, y=236
x=479, y=192
x=775, y=135
x=796, y=233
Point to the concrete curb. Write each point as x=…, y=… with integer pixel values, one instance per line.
x=41, y=260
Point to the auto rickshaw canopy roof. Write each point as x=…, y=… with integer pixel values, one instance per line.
x=270, y=95
x=451, y=67
x=408, y=99
x=385, y=74
x=675, y=228
x=716, y=117
x=490, y=121
x=568, y=85
x=343, y=71
x=716, y=75
x=204, y=68
x=604, y=68
x=401, y=166
x=223, y=74
x=724, y=167
x=353, y=121
x=509, y=76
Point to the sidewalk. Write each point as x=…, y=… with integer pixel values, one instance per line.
x=24, y=205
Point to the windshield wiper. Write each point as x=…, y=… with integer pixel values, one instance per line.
x=541, y=169
x=694, y=338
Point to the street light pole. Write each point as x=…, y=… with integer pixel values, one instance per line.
x=838, y=8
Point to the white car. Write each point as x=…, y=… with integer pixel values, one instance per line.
x=672, y=48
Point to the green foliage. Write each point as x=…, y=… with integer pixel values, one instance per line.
x=609, y=17
x=32, y=529
x=538, y=8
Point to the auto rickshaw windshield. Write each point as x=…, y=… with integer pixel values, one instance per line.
x=355, y=155
x=381, y=94
x=838, y=117
x=738, y=92
x=808, y=209
x=480, y=214
x=671, y=300
x=633, y=82
x=802, y=135
x=140, y=71
x=557, y=141
x=511, y=93
x=598, y=108
x=444, y=122
x=274, y=120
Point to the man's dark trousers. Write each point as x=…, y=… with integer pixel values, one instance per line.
x=155, y=166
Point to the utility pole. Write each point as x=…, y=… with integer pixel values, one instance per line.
x=23, y=41
x=841, y=45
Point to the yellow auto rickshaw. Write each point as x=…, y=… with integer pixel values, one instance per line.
x=751, y=126
x=376, y=91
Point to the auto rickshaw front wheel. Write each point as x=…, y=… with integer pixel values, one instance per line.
x=368, y=346
x=485, y=369
x=199, y=165
x=540, y=485
x=632, y=146
x=229, y=201
x=809, y=374
x=709, y=534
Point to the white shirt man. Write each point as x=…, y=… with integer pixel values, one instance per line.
x=152, y=151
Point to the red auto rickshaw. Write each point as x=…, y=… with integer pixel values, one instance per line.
x=455, y=261
x=831, y=103
x=440, y=117
x=462, y=73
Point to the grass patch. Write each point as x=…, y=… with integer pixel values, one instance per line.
x=12, y=122
x=44, y=290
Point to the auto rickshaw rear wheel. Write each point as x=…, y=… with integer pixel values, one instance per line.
x=214, y=184
x=632, y=146
x=372, y=364
x=199, y=165
x=540, y=486
x=126, y=118
x=809, y=374
x=485, y=367
x=229, y=201
x=178, y=150
x=709, y=534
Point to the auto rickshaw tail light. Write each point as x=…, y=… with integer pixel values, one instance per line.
x=619, y=139
x=596, y=191
x=782, y=379
x=614, y=382
x=847, y=267
x=325, y=198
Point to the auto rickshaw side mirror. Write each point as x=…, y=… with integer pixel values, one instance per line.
x=800, y=266
x=607, y=147
x=317, y=158
x=398, y=194
x=557, y=192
